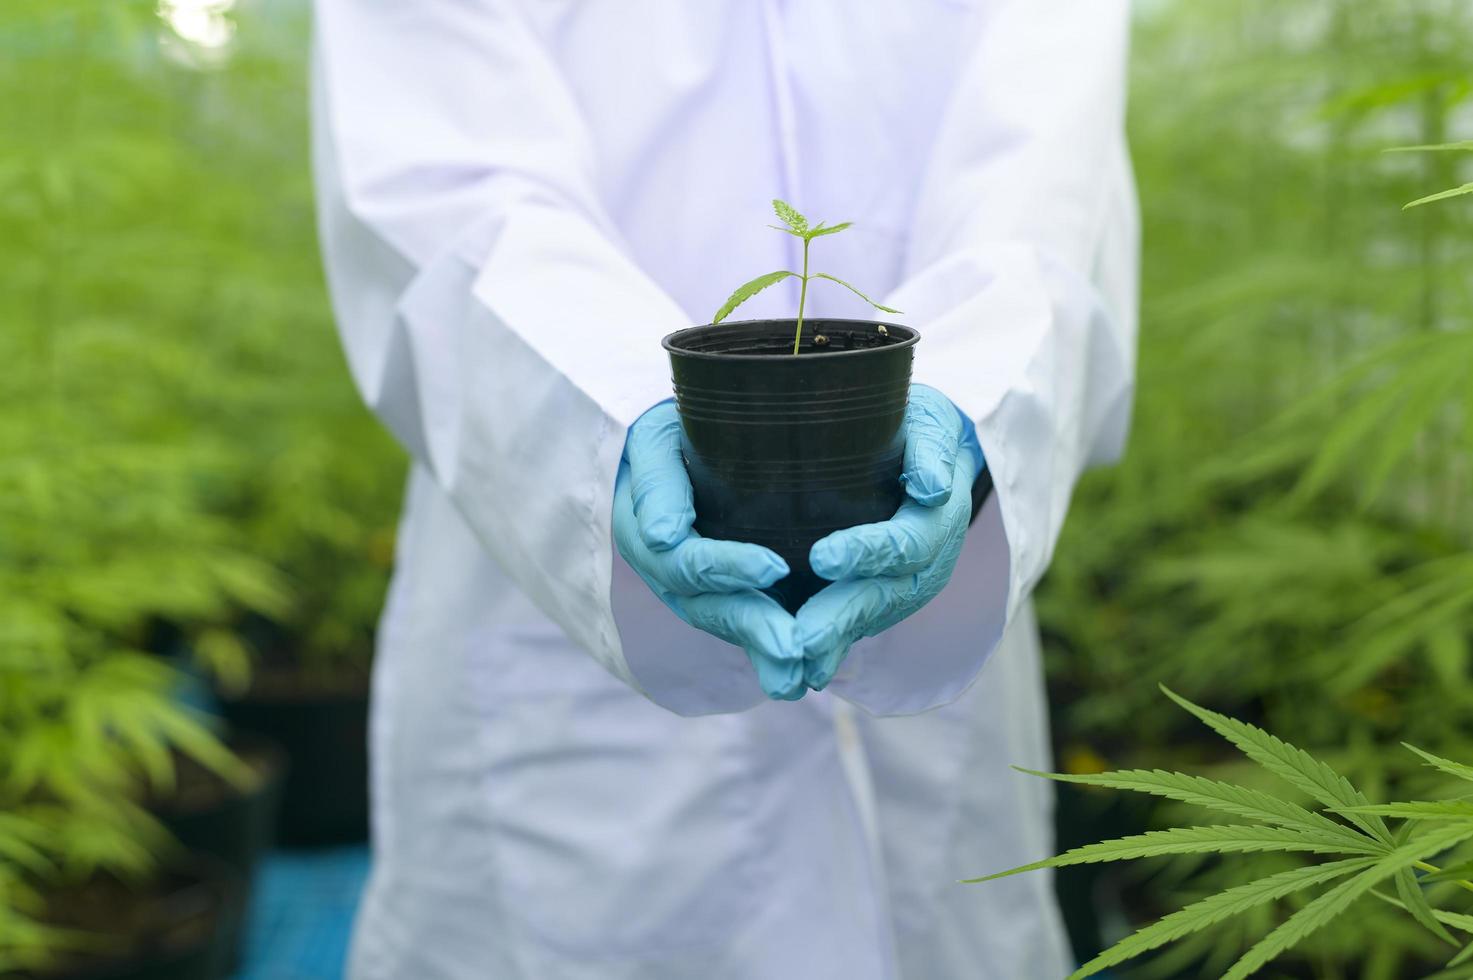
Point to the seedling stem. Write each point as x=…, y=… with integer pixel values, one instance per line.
x=797, y=225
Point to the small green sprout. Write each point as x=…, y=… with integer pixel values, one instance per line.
x=796, y=225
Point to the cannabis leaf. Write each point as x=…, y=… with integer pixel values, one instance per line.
x=1369, y=854
x=856, y=292
x=1439, y=196
x=1288, y=763
x=1320, y=911
x=795, y=224
x=1216, y=908
x=1440, y=810
x=1214, y=839
x=1446, y=765
x=829, y=230
x=1239, y=801
x=747, y=290
x=1462, y=145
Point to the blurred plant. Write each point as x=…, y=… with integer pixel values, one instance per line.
x=83, y=737
x=181, y=452
x=1344, y=824
x=1289, y=532
x=1299, y=455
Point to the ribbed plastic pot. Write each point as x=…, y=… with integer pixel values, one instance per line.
x=237, y=827
x=172, y=927
x=324, y=730
x=783, y=450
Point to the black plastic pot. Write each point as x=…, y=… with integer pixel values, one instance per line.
x=324, y=730
x=235, y=826
x=782, y=449
x=174, y=929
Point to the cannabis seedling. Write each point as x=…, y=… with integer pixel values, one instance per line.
x=796, y=225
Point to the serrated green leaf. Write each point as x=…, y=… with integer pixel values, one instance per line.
x=1453, y=872
x=1438, y=762
x=1215, y=908
x=1416, y=810
x=1216, y=839
x=822, y=230
x=747, y=290
x=1439, y=196
x=1457, y=920
x=1291, y=764
x=1200, y=791
x=878, y=306
x=789, y=216
x=1335, y=901
x=1416, y=903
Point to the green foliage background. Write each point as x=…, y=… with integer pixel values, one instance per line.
x=184, y=465
x=183, y=462
x=1288, y=537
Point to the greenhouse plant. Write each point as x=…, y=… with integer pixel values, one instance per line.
x=1287, y=538
x=1370, y=859
x=192, y=488
x=163, y=495
x=773, y=421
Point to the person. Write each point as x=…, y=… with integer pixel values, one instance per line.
x=596, y=758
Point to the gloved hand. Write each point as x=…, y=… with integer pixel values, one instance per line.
x=885, y=572
x=712, y=585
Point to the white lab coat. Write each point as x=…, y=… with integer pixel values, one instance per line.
x=518, y=199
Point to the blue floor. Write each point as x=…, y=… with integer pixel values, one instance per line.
x=301, y=914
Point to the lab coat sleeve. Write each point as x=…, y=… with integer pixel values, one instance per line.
x=490, y=314
x=1021, y=277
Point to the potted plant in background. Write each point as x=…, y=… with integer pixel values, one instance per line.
x=792, y=427
x=91, y=884
x=227, y=812
x=322, y=510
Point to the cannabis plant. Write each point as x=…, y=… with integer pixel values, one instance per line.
x=84, y=735
x=1289, y=530
x=1351, y=853
x=162, y=373
x=796, y=225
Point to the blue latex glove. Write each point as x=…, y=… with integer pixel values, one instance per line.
x=712, y=585
x=885, y=572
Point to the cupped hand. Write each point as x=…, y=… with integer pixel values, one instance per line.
x=885, y=572
x=713, y=585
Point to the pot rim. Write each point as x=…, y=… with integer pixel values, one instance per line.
x=669, y=340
